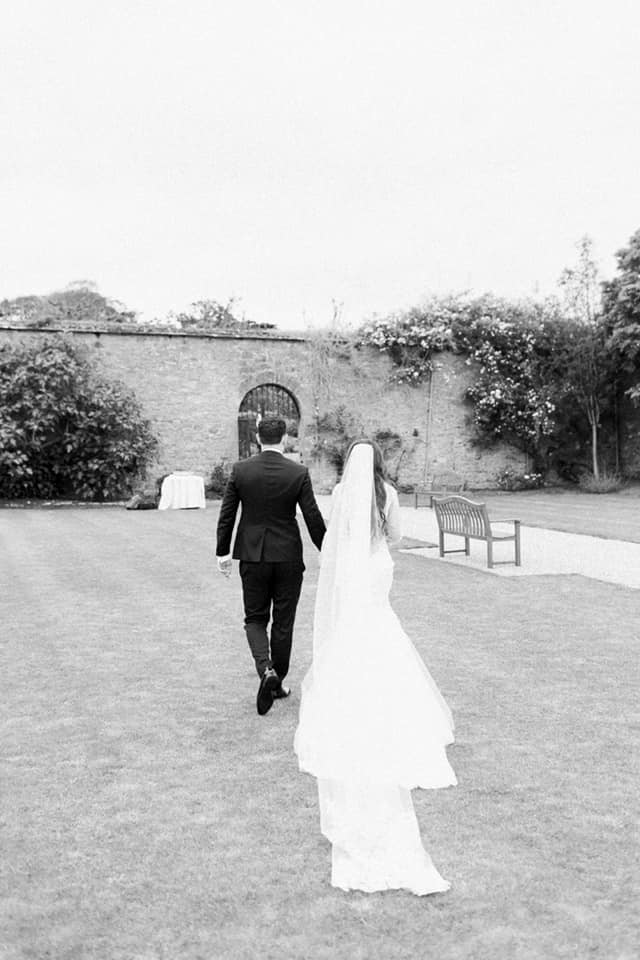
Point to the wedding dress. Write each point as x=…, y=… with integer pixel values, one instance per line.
x=373, y=724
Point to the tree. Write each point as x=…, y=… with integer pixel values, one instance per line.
x=21, y=310
x=65, y=430
x=212, y=316
x=621, y=307
x=586, y=360
x=78, y=304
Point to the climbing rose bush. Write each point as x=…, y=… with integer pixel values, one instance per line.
x=510, y=348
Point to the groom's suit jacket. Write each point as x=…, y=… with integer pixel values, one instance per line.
x=268, y=487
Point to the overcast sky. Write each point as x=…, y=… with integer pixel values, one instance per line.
x=291, y=153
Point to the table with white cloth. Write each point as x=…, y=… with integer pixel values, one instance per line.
x=182, y=491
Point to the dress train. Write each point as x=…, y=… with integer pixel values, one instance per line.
x=375, y=839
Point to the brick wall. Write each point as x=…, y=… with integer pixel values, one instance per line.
x=191, y=386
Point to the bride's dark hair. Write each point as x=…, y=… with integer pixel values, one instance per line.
x=378, y=520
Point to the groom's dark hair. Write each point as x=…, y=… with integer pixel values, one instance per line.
x=271, y=431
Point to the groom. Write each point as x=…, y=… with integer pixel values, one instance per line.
x=269, y=486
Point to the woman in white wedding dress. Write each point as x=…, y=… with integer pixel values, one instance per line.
x=373, y=724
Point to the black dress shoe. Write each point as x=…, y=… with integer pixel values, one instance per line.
x=268, y=685
x=281, y=692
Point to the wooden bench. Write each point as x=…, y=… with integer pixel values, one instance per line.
x=440, y=484
x=466, y=518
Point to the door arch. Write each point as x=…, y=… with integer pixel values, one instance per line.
x=265, y=400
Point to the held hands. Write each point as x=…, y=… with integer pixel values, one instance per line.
x=224, y=566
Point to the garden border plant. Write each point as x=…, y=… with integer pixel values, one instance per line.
x=218, y=478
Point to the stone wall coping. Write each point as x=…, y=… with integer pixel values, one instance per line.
x=133, y=330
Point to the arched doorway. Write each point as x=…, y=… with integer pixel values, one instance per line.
x=266, y=400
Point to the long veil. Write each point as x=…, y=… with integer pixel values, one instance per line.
x=344, y=578
x=370, y=709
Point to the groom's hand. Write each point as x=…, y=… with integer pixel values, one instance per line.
x=224, y=566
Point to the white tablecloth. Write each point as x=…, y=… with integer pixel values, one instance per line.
x=181, y=491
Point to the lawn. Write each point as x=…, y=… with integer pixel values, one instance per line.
x=148, y=812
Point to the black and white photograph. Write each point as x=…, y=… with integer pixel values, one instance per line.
x=320, y=480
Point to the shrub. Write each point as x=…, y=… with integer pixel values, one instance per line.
x=215, y=487
x=605, y=483
x=336, y=430
x=66, y=431
x=509, y=480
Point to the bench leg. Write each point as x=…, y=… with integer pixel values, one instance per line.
x=467, y=548
x=441, y=542
x=516, y=524
x=490, y=553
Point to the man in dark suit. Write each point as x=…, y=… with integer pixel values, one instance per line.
x=269, y=487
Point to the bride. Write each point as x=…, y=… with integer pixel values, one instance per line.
x=373, y=724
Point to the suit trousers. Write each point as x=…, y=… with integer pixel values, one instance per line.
x=270, y=591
